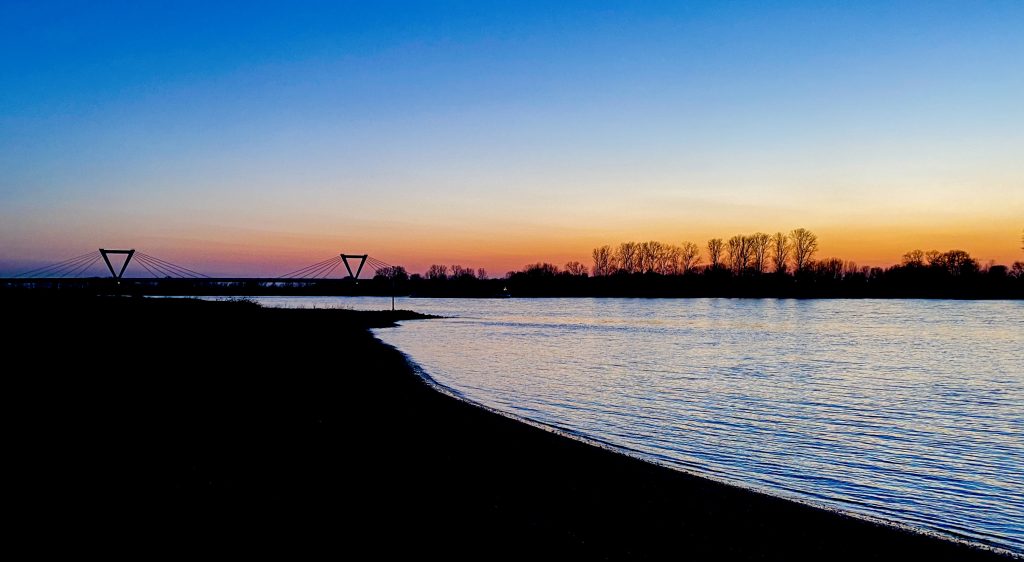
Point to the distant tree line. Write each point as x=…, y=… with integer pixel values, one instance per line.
x=745, y=265
x=756, y=253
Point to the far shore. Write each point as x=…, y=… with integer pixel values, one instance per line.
x=145, y=426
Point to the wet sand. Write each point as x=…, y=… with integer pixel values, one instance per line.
x=226, y=428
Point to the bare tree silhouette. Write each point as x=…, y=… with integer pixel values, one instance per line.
x=780, y=252
x=671, y=261
x=627, y=257
x=603, y=261
x=804, y=244
x=828, y=268
x=739, y=253
x=648, y=255
x=715, y=247
x=759, y=245
x=689, y=257
x=956, y=262
x=576, y=268
x=437, y=272
x=913, y=258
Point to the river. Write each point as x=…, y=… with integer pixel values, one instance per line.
x=906, y=411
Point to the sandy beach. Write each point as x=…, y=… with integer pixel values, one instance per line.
x=170, y=423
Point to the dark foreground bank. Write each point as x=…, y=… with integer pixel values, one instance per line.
x=148, y=426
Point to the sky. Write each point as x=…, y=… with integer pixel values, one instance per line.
x=253, y=138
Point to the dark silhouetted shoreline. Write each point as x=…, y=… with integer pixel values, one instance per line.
x=171, y=423
x=547, y=280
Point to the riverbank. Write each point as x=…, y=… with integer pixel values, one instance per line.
x=164, y=422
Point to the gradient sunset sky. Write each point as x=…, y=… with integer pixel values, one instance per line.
x=255, y=138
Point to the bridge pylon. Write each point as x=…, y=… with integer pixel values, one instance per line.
x=362, y=262
x=128, y=257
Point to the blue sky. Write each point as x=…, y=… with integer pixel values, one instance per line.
x=493, y=133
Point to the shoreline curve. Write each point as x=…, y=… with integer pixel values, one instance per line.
x=627, y=452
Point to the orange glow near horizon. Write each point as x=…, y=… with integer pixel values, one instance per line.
x=245, y=252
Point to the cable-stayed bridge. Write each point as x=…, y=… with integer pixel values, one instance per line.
x=132, y=270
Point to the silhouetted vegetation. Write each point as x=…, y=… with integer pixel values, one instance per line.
x=754, y=265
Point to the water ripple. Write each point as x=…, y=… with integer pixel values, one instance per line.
x=907, y=411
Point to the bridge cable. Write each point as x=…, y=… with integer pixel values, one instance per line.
x=62, y=270
x=317, y=270
x=55, y=271
x=53, y=265
x=308, y=267
x=169, y=264
x=333, y=267
x=160, y=270
x=179, y=270
x=324, y=269
x=378, y=265
x=302, y=271
x=152, y=267
x=315, y=267
x=146, y=267
x=57, y=265
x=163, y=270
x=79, y=271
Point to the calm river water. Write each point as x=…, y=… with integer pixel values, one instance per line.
x=909, y=411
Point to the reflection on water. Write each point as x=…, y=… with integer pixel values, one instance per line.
x=911, y=411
